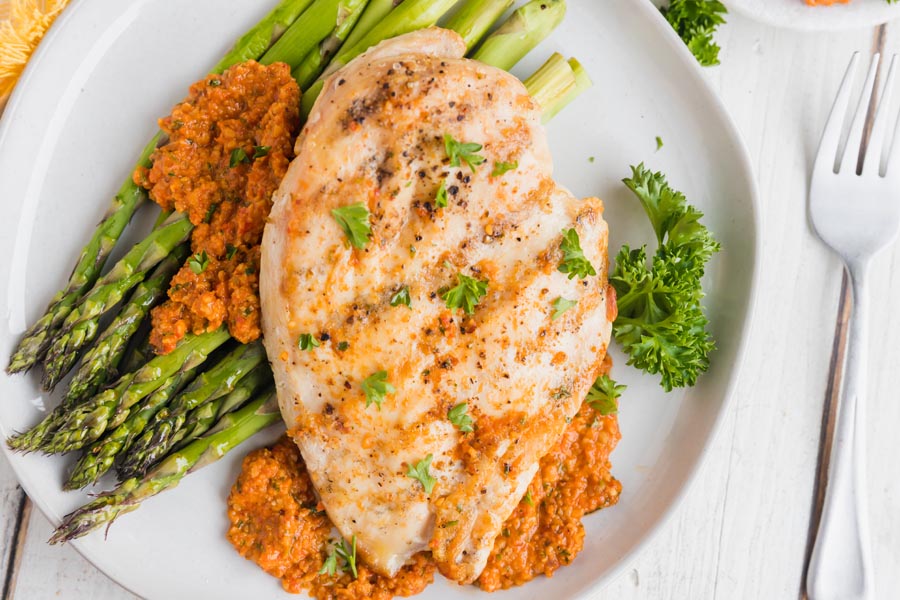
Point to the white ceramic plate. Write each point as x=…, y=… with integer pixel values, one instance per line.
x=88, y=102
x=795, y=14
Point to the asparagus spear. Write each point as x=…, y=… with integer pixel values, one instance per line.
x=83, y=323
x=139, y=349
x=104, y=356
x=375, y=12
x=517, y=36
x=311, y=67
x=202, y=418
x=231, y=430
x=108, y=409
x=410, y=16
x=582, y=84
x=37, y=338
x=100, y=456
x=475, y=17
x=165, y=430
x=312, y=27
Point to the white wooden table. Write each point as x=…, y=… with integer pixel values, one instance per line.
x=745, y=529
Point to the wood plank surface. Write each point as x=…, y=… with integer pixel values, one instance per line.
x=743, y=530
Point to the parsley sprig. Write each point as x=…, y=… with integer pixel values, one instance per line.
x=661, y=325
x=198, y=262
x=574, y=262
x=560, y=306
x=466, y=294
x=354, y=220
x=347, y=553
x=603, y=395
x=420, y=473
x=465, y=152
x=459, y=417
x=695, y=22
x=376, y=387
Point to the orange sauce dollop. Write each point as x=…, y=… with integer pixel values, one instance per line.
x=230, y=142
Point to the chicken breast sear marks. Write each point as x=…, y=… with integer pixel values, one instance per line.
x=335, y=315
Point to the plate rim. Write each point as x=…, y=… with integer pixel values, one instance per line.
x=743, y=161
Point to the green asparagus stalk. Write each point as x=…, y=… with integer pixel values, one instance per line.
x=38, y=337
x=86, y=422
x=165, y=429
x=139, y=349
x=582, y=84
x=517, y=36
x=255, y=42
x=83, y=323
x=231, y=430
x=202, y=418
x=99, y=457
x=375, y=12
x=101, y=361
x=410, y=16
x=475, y=17
x=312, y=66
x=311, y=28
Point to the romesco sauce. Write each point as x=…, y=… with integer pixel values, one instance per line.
x=277, y=523
x=230, y=142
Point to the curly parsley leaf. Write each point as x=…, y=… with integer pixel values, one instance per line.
x=466, y=295
x=574, y=262
x=420, y=473
x=661, y=324
x=401, y=297
x=695, y=22
x=560, y=306
x=459, y=417
x=307, y=341
x=330, y=566
x=603, y=395
x=441, y=200
x=354, y=220
x=501, y=168
x=465, y=152
x=376, y=387
x=198, y=262
x=347, y=553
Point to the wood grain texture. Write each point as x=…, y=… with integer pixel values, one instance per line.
x=742, y=531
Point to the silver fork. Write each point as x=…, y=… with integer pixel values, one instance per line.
x=856, y=210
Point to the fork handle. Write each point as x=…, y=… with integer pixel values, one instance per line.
x=840, y=567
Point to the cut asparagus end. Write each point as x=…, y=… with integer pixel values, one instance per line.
x=475, y=18
x=517, y=36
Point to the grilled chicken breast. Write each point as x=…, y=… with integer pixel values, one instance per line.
x=377, y=136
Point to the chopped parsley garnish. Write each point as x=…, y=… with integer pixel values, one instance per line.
x=574, y=261
x=401, y=297
x=465, y=152
x=347, y=553
x=420, y=473
x=503, y=167
x=215, y=82
x=695, y=22
x=238, y=156
x=560, y=306
x=307, y=341
x=229, y=251
x=458, y=417
x=659, y=143
x=198, y=262
x=342, y=346
x=376, y=387
x=260, y=151
x=603, y=394
x=661, y=325
x=354, y=220
x=440, y=199
x=466, y=295
x=528, y=499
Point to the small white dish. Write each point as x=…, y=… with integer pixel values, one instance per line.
x=88, y=102
x=796, y=14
